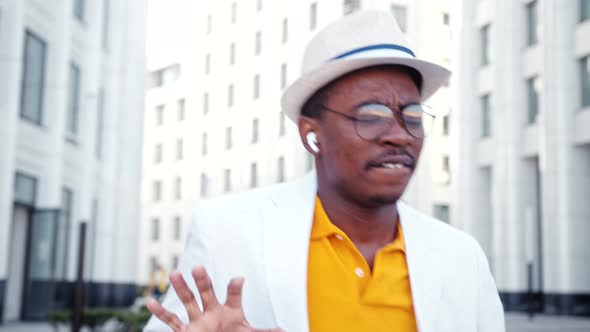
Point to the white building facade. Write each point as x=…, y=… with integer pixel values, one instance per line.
x=218, y=128
x=524, y=148
x=71, y=115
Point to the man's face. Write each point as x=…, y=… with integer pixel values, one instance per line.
x=358, y=168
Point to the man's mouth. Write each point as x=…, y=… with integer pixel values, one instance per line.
x=392, y=165
x=398, y=161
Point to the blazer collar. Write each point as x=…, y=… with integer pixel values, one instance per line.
x=287, y=228
x=424, y=268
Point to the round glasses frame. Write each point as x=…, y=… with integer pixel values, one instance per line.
x=374, y=119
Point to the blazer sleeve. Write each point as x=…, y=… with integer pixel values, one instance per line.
x=195, y=253
x=490, y=312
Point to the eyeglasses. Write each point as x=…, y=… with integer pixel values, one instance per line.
x=373, y=120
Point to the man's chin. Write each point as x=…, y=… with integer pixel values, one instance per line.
x=384, y=198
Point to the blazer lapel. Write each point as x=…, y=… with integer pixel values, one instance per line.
x=423, y=266
x=287, y=227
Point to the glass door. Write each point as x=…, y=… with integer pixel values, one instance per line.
x=39, y=283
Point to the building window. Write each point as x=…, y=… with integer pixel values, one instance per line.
x=228, y=138
x=178, y=188
x=445, y=164
x=181, y=109
x=155, y=229
x=484, y=34
x=158, y=153
x=177, y=228
x=441, y=212
x=232, y=53
x=156, y=191
x=351, y=6
x=253, y=175
x=256, y=86
x=205, y=103
x=401, y=16
x=99, y=124
x=533, y=86
x=585, y=80
x=204, y=185
x=175, y=261
x=283, y=75
x=207, y=63
x=285, y=30
x=584, y=10
x=485, y=116
x=179, y=149
x=159, y=115
x=313, y=8
x=91, y=238
x=230, y=95
x=446, y=19
x=204, y=144
x=209, y=24
x=67, y=217
x=281, y=169
x=255, y=131
x=106, y=9
x=79, y=9
x=258, y=43
x=310, y=160
x=227, y=180
x=446, y=125
x=153, y=264
x=33, y=78
x=281, y=124
x=234, y=12
x=259, y=5
x=73, y=100
x=532, y=22
x=25, y=189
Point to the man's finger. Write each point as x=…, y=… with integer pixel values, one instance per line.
x=205, y=288
x=185, y=295
x=234, y=293
x=164, y=315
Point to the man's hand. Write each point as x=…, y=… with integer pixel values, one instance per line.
x=215, y=317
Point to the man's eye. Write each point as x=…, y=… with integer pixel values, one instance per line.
x=371, y=118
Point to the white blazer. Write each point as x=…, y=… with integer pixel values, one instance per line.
x=263, y=235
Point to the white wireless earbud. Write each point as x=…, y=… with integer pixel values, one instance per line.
x=312, y=141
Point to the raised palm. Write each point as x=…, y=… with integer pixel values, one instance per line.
x=215, y=317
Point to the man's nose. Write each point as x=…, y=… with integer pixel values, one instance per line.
x=396, y=134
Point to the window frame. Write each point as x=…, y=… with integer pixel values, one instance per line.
x=37, y=117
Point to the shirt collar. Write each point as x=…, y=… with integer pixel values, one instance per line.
x=322, y=228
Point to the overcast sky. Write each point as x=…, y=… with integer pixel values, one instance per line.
x=165, y=31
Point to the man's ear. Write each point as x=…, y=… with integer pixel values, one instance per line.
x=307, y=126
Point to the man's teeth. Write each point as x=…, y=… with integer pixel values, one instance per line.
x=392, y=165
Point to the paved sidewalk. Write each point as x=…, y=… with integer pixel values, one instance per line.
x=521, y=323
x=514, y=322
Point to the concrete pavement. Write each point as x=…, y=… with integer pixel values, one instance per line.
x=521, y=323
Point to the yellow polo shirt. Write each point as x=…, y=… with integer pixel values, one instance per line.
x=344, y=294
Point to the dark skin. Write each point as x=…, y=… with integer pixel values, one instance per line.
x=358, y=196
x=359, y=199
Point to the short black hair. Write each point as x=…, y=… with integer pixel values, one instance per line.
x=312, y=108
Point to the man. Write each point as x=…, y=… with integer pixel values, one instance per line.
x=158, y=281
x=338, y=250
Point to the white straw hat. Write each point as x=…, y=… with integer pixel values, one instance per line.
x=359, y=40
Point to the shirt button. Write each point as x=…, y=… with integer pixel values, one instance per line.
x=359, y=272
x=339, y=237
